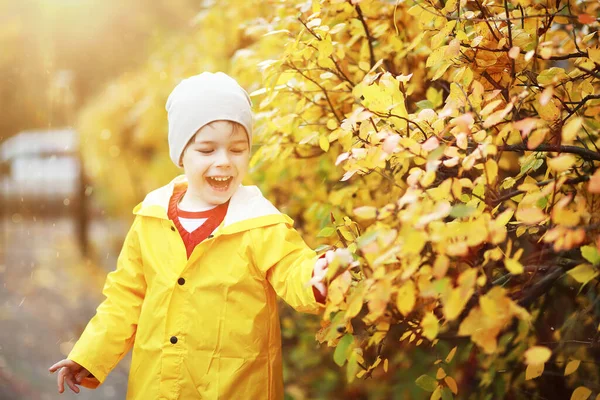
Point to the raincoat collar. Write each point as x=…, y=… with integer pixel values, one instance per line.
x=248, y=208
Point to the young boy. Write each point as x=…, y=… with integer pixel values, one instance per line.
x=194, y=291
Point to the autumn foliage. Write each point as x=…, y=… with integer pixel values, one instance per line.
x=450, y=149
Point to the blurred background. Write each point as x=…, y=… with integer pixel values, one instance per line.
x=57, y=242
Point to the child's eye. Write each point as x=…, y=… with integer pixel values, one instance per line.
x=205, y=151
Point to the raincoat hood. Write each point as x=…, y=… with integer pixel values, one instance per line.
x=248, y=208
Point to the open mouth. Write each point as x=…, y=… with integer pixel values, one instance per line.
x=219, y=183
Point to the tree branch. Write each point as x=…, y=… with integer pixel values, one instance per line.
x=369, y=37
x=588, y=155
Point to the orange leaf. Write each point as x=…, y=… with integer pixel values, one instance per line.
x=440, y=374
x=451, y=384
x=586, y=19
x=581, y=393
x=594, y=185
x=533, y=371
x=572, y=367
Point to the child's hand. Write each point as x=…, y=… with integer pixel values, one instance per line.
x=71, y=372
x=322, y=264
x=319, y=273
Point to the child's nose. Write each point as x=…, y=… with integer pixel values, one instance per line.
x=222, y=159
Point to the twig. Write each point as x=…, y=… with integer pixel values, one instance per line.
x=588, y=155
x=367, y=33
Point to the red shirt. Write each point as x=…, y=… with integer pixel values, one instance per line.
x=214, y=217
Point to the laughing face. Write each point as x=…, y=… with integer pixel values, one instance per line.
x=215, y=162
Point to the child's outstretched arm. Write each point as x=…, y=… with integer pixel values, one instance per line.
x=288, y=263
x=111, y=332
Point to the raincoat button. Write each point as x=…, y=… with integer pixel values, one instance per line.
x=173, y=339
x=211, y=236
x=173, y=228
x=181, y=281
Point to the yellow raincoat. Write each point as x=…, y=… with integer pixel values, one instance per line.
x=207, y=327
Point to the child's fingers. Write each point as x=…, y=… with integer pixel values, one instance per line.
x=60, y=380
x=72, y=385
x=82, y=374
x=58, y=365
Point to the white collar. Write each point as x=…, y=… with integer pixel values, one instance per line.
x=247, y=203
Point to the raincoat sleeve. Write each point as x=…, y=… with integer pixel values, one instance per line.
x=288, y=264
x=111, y=332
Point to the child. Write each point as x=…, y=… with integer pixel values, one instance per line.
x=194, y=291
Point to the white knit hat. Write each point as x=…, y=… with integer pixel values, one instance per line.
x=202, y=99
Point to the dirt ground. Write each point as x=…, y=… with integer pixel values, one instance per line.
x=48, y=293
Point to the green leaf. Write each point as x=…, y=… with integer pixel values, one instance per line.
x=542, y=202
x=339, y=356
x=425, y=104
x=447, y=394
x=365, y=239
x=462, y=210
x=322, y=247
x=352, y=368
x=437, y=153
x=426, y=383
x=326, y=232
x=591, y=254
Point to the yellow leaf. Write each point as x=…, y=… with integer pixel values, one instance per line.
x=355, y=301
x=365, y=212
x=324, y=143
x=533, y=371
x=571, y=129
x=451, y=384
x=530, y=215
x=537, y=355
x=451, y=355
x=513, y=266
x=440, y=266
x=406, y=298
x=562, y=162
x=490, y=107
x=546, y=53
x=536, y=138
x=427, y=179
x=455, y=304
x=572, y=367
x=594, y=55
x=491, y=170
x=583, y=273
x=503, y=218
x=405, y=335
x=548, y=111
x=385, y=365
x=437, y=394
x=497, y=117
x=430, y=326
x=581, y=393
